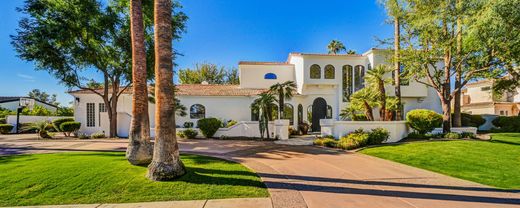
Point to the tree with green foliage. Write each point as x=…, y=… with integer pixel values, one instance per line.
x=376, y=81
x=439, y=43
x=262, y=107
x=336, y=46
x=43, y=96
x=284, y=91
x=37, y=110
x=364, y=100
x=73, y=39
x=208, y=72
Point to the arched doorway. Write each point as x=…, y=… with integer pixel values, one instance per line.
x=300, y=114
x=319, y=111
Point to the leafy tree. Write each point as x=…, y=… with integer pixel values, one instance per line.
x=211, y=73
x=262, y=107
x=284, y=91
x=43, y=96
x=74, y=39
x=431, y=40
x=37, y=110
x=363, y=100
x=335, y=46
x=351, y=52
x=65, y=111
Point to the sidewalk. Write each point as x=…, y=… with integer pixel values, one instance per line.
x=216, y=203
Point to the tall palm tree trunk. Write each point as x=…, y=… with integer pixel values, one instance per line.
x=140, y=149
x=382, y=111
x=166, y=164
x=397, y=68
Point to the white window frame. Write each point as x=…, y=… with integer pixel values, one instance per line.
x=101, y=109
x=91, y=114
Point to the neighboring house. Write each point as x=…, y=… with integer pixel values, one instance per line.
x=324, y=85
x=479, y=98
x=13, y=103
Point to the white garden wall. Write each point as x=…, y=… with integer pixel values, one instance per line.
x=249, y=129
x=397, y=129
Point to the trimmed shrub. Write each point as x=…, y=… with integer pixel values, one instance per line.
x=423, y=121
x=353, y=140
x=6, y=128
x=468, y=120
x=57, y=123
x=415, y=135
x=69, y=127
x=98, y=135
x=326, y=142
x=190, y=133
x=378, y=136
x=181, y=134
x=83, y=136
x=3, y=121
x=452, y=135
x=209, y=126
x=188, y=124
x=231, y=123
x=507, y=123
x=468, y=135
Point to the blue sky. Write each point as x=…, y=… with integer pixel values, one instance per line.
x=226, y=32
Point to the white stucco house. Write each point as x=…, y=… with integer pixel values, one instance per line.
x=324, y=85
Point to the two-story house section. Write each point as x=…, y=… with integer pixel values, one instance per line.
x=324, y=82
x=479, y=98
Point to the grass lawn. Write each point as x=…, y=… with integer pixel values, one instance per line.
x=495, y=163
x=106, y=177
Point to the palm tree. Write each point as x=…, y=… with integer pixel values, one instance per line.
x=283, y=91
x=335, y=47
x=351, y=52
x=262, y=107
x=365, y=99
x=166, y=163
x=41, y=128
x=140, y=149
x=376, y=81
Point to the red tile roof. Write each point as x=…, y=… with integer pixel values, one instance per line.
x=198, y=90
x=263, y=63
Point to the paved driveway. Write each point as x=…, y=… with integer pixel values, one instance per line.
x=302, y=176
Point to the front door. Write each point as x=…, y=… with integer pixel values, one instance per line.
x=319, y=111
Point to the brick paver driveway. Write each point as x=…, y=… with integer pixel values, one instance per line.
x=302, y=176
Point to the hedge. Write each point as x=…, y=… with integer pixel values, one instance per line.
x=6, y=128
x=423, y=121
x=507, y=123
x=57, y=123
x=209, y=126
x=69, y=127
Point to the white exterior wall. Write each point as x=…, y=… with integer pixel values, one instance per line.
x=397, y=129
x=252, y=76
x=221, y=107
x=11, y=119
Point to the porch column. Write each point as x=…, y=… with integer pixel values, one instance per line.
x=281, y=129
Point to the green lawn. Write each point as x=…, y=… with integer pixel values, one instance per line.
x=495, y=163
x=101, y=177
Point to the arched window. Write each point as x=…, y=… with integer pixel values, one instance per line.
x=270, y=76
x=359, y=77
x=288, y=113
x=300, y=113
x=309, y=114
x=330, y=72
x=197, y=111
x=315, y=71
x=347, y=82
x=329, y=112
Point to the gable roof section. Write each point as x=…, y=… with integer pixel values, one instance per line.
x=5, y=99
x=199, y=90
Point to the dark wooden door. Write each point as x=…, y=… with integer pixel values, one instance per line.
x=319, y=111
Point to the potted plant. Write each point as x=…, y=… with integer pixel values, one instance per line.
x=304, y=128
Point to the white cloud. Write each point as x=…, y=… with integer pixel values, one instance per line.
x=26, y=77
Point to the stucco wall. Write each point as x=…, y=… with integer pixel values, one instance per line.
x=397, y=129
x=252, y=76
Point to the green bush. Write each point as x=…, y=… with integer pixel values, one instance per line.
x=423, y=121
x=57, y=123
x=507, y=123
x=3, y=121
x=378, y=136
x=69, y=127
x=190, y=133
x=359, y=117
x=180, y=134
x=452, y=135
x=468, y=135
x=326, y=142
x=6, y=128
x=188, y=124
x=468, y=120
x=231, y=123
x=209, y=126
x=415, y=135
x=98, y=135
x=353, y=140
x=83, y=136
